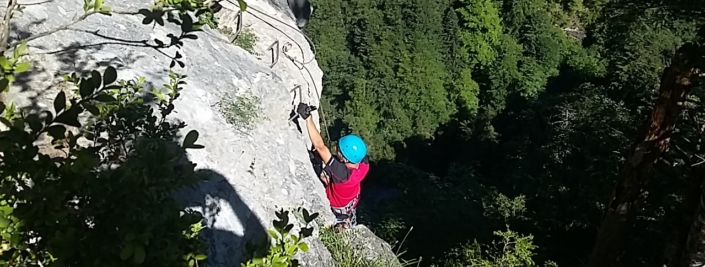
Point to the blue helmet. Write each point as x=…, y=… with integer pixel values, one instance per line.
x=353, y=148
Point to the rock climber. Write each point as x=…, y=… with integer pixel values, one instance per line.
x=342, y=173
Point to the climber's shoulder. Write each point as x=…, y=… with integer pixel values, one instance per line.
x=341, y=173
x=337, y=171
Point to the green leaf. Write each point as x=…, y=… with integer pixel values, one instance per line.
x=69, y=117
x=291, y=250
x=6, y=122
x=86, y=88
x=159, y=20
x=243, y=5
x=109, y=76
x=60, y=102
x=147, y=20
x=306, y=232
x=288, y=228
x=306, y=215
x=22, y=67
x=303, y=247
x=130, y=237
x=5, y=64
x=96, y=79
x=105, y=10
x=57, y=131
x=4, y=222
x=15, y=240
x=98, y=3
x=127, y=251
x=139, y=254
x=313, y=217
x=201, y=257
x=105, y=98
x=4, y=84
x=92, y=109
x=187, y=23
x=35, y=123
x=18, y=123
x=273, y=233
x=19, y=51
x=191, y=138
x=48, y=117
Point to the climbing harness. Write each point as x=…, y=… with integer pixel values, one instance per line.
x=348, y=212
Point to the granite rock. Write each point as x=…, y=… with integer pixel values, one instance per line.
x=254, y=169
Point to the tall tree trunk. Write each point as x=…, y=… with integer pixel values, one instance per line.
x=692, y=190
x=694, y=254
x=637, y=170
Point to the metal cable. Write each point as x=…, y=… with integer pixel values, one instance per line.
x=303, y=55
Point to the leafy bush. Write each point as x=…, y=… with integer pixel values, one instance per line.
x=104, y=202
x=99, y=193
x=286, y=244
x=208, y=18
x=247, y=39
x=240, y=111
x=513, y=250
x=343, y=254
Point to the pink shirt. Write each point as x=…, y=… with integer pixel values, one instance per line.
x=344, y=185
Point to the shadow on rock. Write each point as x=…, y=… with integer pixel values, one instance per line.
x=230, y=222
x=36, y=83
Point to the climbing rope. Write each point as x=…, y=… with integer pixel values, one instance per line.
x=303, y=56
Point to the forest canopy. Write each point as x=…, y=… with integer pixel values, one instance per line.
x=513, y=121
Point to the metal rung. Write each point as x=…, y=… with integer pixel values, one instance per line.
x=275, y=56
x=293, y=102
x=238, y=28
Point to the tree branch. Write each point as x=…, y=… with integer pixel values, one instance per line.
x=35, y=3
x=66, y=26
x=11, y=5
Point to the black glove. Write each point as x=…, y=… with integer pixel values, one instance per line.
x=304, y=110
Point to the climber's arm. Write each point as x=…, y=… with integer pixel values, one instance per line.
x=317, y=140
x=324, y=179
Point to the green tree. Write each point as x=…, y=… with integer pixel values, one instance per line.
x=481, y=30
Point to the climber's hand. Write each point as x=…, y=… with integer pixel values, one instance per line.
x=304, y=110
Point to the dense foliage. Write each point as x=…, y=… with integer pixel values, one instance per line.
x=493, y=113
x=90, y=181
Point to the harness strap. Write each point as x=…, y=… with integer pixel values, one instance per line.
x=348, y=208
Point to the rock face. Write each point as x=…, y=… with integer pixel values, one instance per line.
x=370, y=247
x=257, y=162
